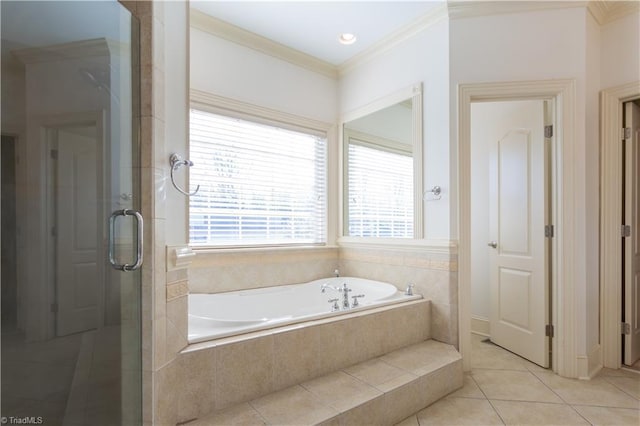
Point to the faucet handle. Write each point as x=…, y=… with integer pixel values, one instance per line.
x=355, y=300
x=409, y=290
x=344, y=288
x=335, y=306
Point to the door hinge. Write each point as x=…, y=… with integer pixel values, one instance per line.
x=625, y=328
x=54, y=308
x=625, y=230
x=548, y=131
x=548, y=231
x=626, y=133
x=548, y=330
x=54, y=154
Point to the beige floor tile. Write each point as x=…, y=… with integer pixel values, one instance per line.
x=293, y=406
x=469, y=389
x=537, y=413
x=241, y=414
x=609, y=416
x=374, y=372
x=422, y=357
x=459, y=411
x=513, y=386
x=409, y=421
x=630, y=385
x=341, y=390
x=596, y=392
x=490, y=356
x=621, y=372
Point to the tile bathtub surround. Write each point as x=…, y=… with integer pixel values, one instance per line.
x=220, y=374
x=503, y=388
x=232, y=270
x=357, y=395
x=434, y=274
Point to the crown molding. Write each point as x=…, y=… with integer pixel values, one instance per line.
x=222, y=29
x=472, y=9
x=427, y=20
x=605, y=12
x=73, y=50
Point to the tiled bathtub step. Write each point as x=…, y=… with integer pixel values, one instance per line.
x=381, y=391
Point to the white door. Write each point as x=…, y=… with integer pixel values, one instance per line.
x=632, y=243
x=78, y=271
x=519, y=308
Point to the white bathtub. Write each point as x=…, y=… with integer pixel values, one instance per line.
x=225, y=314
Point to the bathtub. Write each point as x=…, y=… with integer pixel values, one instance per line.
x=212, y=316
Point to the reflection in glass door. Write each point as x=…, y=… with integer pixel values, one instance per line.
x=71, y=232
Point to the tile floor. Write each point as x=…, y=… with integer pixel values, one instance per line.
x=36, y=376
x=44, y=379
x=504, y=389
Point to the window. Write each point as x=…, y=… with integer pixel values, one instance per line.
x=260, y=184
x=380, y=188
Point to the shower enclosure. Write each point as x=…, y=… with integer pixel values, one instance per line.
x=71, y=232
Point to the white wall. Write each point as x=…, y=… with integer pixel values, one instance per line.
x=227, y=69
x=620, y=51
x=423, y=58
x=549, y=44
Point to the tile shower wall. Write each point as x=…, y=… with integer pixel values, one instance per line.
x=434, y=273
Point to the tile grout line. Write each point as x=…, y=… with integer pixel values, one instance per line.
x=549, y=387
x=488, y=400
x=264, y=419
x=618, y=387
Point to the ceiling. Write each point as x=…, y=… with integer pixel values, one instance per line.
x=313, y=27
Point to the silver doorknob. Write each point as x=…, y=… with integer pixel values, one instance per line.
x=493, y=244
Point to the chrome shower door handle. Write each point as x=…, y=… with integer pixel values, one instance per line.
x=126, y=267
x=492, y=244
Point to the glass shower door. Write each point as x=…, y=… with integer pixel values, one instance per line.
x=71, y=228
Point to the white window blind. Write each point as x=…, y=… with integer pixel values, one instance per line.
x=259, y=184
x=380, y=192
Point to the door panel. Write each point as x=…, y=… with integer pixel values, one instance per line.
x=518, y=205
x=632, y=243
x=78, y=273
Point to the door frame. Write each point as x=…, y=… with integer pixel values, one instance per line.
x=611, y=113
x=562, y=93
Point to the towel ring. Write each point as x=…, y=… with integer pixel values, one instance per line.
x=176, y=162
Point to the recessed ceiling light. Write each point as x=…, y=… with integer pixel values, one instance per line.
x=347, y=38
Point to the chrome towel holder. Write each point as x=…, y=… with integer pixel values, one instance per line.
x=176, y=162
x=433, y=194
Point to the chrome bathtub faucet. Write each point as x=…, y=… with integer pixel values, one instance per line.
x=409, y=290
x=335, y=306
x=355, y=298
x=345, y=296
x=324, y=287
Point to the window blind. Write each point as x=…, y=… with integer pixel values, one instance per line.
x=380, y=192
x=259, y=184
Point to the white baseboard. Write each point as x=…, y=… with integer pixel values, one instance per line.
x=480, y=325
x=590, y=365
